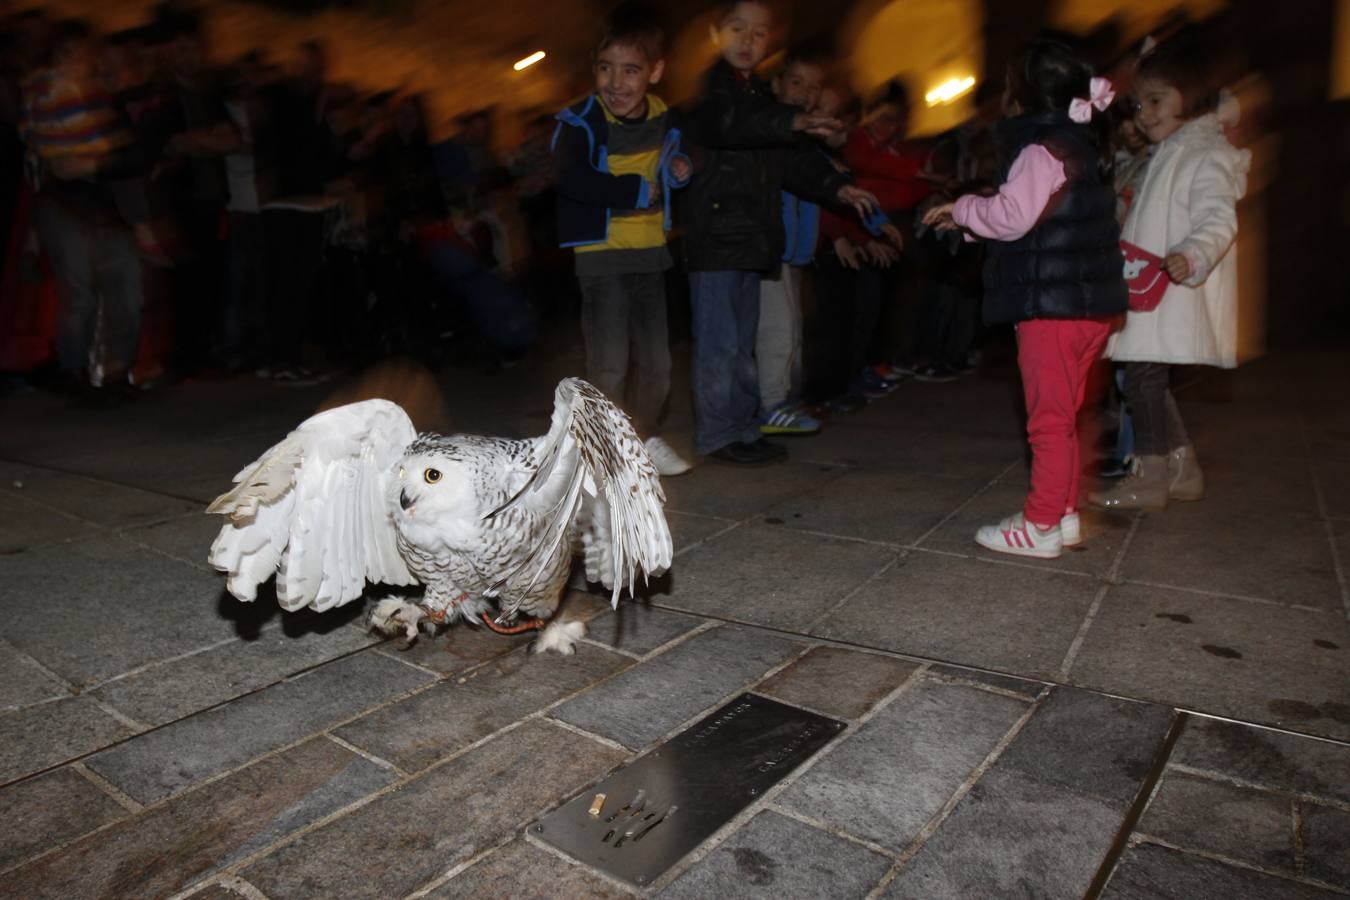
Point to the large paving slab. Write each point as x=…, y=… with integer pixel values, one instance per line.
x=721, y=490
x=741, y=575
x=162, y=762
x=1251, y=826
x=187, y=538
x=414, y=733
x=95, y=500
x=1012, y=835
x=1102, y=747
x=1267, y=758
x=641, y=627
x=773, y=857
x=42, y=812
x=1182, y=548
x=884, y=782
x=687, y=529
x=1230, y=657
x=1326, y=851
x=158, y=852
x=532, y=873
x=22, y=682
x=1236, y=484
x=647, y=702
x=837, y=682
x=880, y=438
x=25, y=524
x=1049, y=808
x=121, y=607
x=39, y=737
x=1147, y=872
x=438, y=820
x=1011, y=618
x=876, y=505
x=183, y=686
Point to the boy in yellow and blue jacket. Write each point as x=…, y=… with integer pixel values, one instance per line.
x=616, y=157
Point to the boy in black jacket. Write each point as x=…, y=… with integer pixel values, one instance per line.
x=616, y=157
x=751, y=150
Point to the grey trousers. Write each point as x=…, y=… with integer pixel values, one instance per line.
x=778, y=342
x=623, y=317
x=1158, y=428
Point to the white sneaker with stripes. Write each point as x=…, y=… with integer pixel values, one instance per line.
x=1018, y=537
x=1071, y=529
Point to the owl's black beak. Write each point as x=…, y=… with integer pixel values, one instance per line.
x=404, y=500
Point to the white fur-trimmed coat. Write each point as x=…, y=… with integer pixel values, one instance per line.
x=1188, y=204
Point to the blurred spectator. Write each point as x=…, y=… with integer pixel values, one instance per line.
x=464, y=158
x=293, y=222
x=251, y=178
x=81, y=143
x=194, y=172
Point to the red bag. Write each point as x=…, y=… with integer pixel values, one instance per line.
x=1145, y=276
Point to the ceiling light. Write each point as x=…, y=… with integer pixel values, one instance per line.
x=535, y=57
x=949, y=90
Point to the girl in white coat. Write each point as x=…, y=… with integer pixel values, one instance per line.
x=1185, y=212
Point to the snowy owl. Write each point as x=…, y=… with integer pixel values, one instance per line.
x=355, y=495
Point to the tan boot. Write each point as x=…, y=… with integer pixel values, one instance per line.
x=1144, y=488
x=1185, y=481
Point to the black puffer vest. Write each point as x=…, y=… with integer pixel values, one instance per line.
x=1069, y=266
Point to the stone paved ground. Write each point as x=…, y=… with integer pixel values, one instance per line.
x=1163, y=713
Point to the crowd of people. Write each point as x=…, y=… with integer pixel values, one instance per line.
x=194, y=219
x=268, y=221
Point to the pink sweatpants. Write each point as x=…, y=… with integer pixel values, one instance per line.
x=1055, y=356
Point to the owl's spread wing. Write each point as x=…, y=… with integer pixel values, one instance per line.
x=315, y=510
x=593, y=468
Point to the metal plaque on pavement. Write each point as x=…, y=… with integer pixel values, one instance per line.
x=642, y=819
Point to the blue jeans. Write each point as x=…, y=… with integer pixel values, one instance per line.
x=726, y=381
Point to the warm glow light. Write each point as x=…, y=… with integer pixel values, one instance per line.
x=535, y=57
x=949, y=90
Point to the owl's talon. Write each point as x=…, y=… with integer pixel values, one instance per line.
x=393, y=617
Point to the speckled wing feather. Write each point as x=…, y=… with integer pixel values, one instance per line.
x=315, y=510
x=592, y=468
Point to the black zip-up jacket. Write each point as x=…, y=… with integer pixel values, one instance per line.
x=745, y=154
x=1069, y=266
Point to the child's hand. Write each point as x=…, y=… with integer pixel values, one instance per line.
x=1178, y=266
x=883, y=256
x=893, y=236
x=847, y=253
x=820, y=126
x=680, y=169
x=940, y=217
x=862, y=201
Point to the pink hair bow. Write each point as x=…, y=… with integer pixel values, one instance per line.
x=1099, y=98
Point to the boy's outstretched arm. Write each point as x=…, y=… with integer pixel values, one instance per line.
x=808, y=173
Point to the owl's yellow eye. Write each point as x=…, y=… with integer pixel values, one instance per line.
x=432, y=475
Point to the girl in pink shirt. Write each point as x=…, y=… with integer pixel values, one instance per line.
x=1053, y=267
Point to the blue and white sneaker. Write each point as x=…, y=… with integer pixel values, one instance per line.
x=788, y=418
